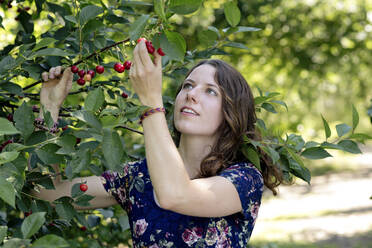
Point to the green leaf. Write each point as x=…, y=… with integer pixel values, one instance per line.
x=252, y=155
x=299, y=170
x=355, y=117
x=94, y=100
x=172, y=43
x=89, y=12
x=50, y=52
x=274, y=155
x=3, y=231
x=112, y=148
x=32, y=224
x=7, y=192
x=71, y=18
x=24, y=120
x=295, y=156
x=234, y=30
x=136, y=29
x=269, y=107
x=159, y=9
x=7, y=63
x=16, y=242
x=327, y=130
x=232, y=13
x=360, y=137
x=50, y=241
x=48, y=155
x=236, y=45
x=280, y=103
x=75, y=190
x=11, y=88
x=6, y=127
x=6, y=157
x=207, y=37
x=342, y=129
x=44, y=43
x=184, y=7
x=349, y=146
x=67, y=142
x=88, y=118
x=65, y=210
x=84, y=200
x=315, y=153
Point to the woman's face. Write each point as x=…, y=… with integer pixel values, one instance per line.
x=198, y=106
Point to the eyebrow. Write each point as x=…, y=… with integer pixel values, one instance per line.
x=209, y=84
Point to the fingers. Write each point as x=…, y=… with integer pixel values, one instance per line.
x=144, y=55
x=64, y=85
x=54, y=72
x=157, y=59
x=136, y=58
x=45, y=76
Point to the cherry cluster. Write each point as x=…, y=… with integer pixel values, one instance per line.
x=150, y=47
x=86, y=76
x=122, y=67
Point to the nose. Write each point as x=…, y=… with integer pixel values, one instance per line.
x=192, y=95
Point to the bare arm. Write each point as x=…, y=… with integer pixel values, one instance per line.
x=101, y=198
x=53, y=92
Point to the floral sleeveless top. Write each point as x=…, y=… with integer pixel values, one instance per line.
x=154, y=227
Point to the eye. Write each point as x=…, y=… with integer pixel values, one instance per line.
x=186, y=85
x=209, y=90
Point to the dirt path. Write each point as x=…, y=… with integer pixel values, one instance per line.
x=334, y=210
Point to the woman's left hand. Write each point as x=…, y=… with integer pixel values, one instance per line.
x=146, y=76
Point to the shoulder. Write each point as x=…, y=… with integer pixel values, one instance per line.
x=242, y=168
x=244, y=175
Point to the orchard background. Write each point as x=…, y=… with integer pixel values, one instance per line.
x=308, y=61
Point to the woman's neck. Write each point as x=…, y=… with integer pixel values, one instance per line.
x=193, y=150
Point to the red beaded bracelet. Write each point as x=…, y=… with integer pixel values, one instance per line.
x=150, y=112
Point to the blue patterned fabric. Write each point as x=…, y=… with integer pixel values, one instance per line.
x=153, y=227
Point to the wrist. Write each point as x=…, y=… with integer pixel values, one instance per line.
x=53, y=109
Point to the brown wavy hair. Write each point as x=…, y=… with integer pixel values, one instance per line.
x=239, y=118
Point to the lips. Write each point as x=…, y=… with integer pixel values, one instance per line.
x=189, y=109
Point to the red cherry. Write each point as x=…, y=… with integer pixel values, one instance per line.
x=160, y=51
x=81, y=73
x=19, y=10
x=100, y=69
x=74, y=69
x=27, y=8
x=10, y=5
x=127, y=64
x=81, y=81
x=92, y=73
x=119, y=67
x=78, y=140
x=10, y=117
x=28, y=213
x=64, y=128
x=83, y=187
x=140, y=39
x=124, y=95
x=150, y=47
x=83, y=228
x=16, y=18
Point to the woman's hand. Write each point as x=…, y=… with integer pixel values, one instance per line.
x=146, y=76
x=55, y=88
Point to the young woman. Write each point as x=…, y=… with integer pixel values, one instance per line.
x=197, y=190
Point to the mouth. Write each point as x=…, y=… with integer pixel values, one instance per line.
x=188, y=111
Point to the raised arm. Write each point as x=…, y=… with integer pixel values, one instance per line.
x=55, y=88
